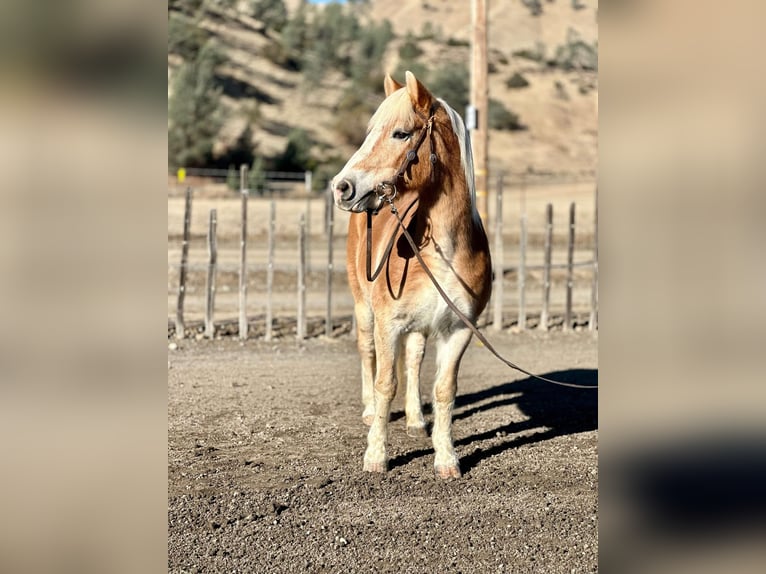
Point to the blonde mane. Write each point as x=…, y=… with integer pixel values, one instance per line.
x=466, y=155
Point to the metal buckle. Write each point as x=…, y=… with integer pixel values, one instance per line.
x=381, y=193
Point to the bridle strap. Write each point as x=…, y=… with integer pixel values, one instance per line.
x=371, y=276
x=412, y=153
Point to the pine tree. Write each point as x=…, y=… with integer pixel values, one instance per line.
x=256, y=178
x=271, y=13
x=194, y=116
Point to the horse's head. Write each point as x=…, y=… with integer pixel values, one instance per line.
x=401, y=124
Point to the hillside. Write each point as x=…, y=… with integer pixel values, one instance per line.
x=558, y=108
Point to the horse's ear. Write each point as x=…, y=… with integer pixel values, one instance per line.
x=419, y=95
x=391, y=85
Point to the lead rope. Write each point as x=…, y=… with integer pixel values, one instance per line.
x=371, y=276
x=451, y=304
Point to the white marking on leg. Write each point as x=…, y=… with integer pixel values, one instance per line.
x=386, y=345
x=414, y=349
x=448, y=355
x=366, y=346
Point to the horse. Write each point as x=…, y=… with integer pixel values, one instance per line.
x=397, y=310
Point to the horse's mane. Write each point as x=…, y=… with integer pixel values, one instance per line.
x=466, y=155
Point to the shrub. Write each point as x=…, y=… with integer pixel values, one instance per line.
x=535, y=6
x=575, y=54
x=457, y=42
x=501, y=118
x=516, y=81
x=429, y=31
x=536, y=54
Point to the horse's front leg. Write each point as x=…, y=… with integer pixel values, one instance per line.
x=449, y=352
x=365, y=341
x=386, y=350
x=410, y=362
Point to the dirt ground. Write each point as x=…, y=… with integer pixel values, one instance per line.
x=265, y=463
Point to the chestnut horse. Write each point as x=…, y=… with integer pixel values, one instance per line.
x=417, y=158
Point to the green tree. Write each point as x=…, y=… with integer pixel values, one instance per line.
x=297, y=153
x=409, y=50
x=194, y=115
x=256, y=178
x=232, y=178
x=331, y=37
x=271, y=13
x=366, y=65
x=352, y=114
x=240, y=152
x=189, y=7
x=450, y=82
x=409, y=55
x=185, y=37
x=295, y=37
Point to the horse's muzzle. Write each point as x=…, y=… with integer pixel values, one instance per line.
x=343, y=190
x=346, y=197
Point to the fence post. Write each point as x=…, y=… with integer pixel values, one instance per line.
x=243, y=255
x=593, y=321
x=308, y=175
x=570, y=266
x=308, y=230
x=180, y=326
x=329, y=223
x=523, y=274
x=547, y=267
x=497, y=321
x=212, y=249
x=301, y=327
x=243, y=177
x=270, y=273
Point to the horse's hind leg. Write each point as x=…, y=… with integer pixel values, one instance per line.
x=414, y=345
x=365, y=341
x=387, y=349
x=449, y=352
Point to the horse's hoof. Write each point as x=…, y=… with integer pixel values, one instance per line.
x=368, y=419
x=375, y=466
x=448, y=471
x=417, y=431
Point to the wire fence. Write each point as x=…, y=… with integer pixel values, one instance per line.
x=256, y=267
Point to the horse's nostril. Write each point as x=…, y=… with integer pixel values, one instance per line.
x=345, y=189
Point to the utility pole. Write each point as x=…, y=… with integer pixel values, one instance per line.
x=480, y=103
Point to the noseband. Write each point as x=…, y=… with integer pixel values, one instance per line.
x=386, y=190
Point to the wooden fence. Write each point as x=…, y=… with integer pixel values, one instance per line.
x=508, y=308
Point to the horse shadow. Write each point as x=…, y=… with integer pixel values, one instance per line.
x=556, y=410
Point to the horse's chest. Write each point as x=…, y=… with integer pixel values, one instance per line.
x=419, y=307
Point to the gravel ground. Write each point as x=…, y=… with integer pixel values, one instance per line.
x=265, y=463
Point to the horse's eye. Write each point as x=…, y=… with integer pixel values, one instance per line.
x=401, y=135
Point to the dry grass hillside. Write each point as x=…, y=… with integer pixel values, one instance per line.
x=559, y=108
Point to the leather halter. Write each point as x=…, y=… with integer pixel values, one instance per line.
x=386, y=190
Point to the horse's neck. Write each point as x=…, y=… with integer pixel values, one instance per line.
x=448, y=211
